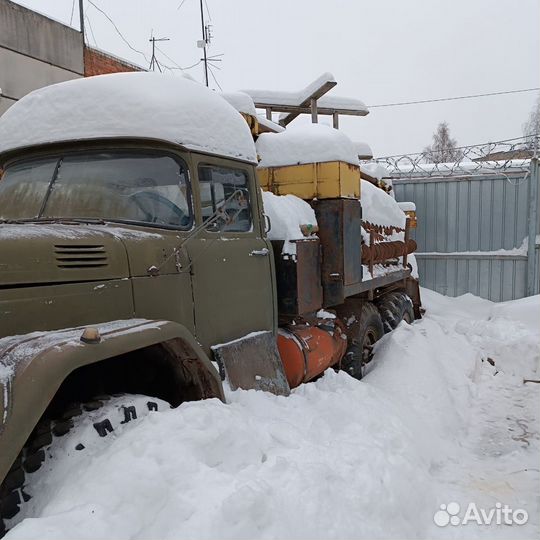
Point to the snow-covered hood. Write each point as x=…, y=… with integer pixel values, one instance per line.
x=32, y=254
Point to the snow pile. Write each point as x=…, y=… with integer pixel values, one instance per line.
x=407, y=206
x=375, y=170
x=363, y=150
x=269, y=124
x=520, y=251
x=380, y=208
x=241, y=101
x=526, y=311
x=287, y=213
x=433, y=422
x=310, y=143
x=134, y=105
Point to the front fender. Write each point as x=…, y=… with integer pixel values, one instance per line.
x=33, y=366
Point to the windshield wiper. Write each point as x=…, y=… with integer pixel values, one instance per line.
x=64, y=221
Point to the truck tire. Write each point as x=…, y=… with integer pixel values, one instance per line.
x=359, y=352
x=395, y=307
x=103, y=412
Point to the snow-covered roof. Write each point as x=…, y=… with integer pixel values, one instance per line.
x=310, y=143
x=263, y=98
x=241, y=101
x=341, y=104
x=269, y=97
x=133, y=105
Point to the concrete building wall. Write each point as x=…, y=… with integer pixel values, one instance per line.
x=35, y=51
x=35, y=35
x=26, y=74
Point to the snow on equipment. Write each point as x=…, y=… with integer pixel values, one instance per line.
x=139, y=252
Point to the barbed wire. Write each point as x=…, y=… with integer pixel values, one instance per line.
x=505, y=156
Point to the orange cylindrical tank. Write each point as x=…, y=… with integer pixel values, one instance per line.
x=306, y=351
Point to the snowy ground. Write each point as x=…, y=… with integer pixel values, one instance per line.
x=432, y=423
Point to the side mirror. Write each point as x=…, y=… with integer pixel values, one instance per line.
x=267, y=224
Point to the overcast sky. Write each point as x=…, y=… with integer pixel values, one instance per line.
x=380, y=51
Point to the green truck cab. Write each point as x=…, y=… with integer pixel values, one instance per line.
x=159, y=245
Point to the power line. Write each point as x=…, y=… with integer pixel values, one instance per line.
x=72, y=12
x=176, y=65
x=214, y=77
x=118, y=31
x=208, y=10
x=453, y=98
x=87, y=19
x=181, y=4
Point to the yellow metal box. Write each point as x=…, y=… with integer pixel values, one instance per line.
x=328, y=180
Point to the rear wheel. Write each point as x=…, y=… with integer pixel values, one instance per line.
x=367, y=331
x=89, y=422
x=395, y=307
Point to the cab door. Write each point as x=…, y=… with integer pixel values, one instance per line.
x=232, y=263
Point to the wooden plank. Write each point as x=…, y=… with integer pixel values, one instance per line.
x=313, y=107
x=276, y=107
x=306, y=104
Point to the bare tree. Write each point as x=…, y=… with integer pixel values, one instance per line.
x=531, y=128
x=444, y=148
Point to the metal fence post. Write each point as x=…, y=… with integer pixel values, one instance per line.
x=532, y=286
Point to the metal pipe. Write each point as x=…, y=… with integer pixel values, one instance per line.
x=532, y=286
x=81, y=18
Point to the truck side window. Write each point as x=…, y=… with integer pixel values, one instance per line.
x=225, y=190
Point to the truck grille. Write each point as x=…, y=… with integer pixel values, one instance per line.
x=80, y=256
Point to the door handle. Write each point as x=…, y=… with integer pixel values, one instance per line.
x=259, y=252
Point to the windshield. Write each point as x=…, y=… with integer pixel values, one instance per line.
x=116, y=186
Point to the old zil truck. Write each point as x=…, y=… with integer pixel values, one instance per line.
x=136, y=259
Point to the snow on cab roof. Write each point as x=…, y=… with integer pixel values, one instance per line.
x=134, y=105
x=310, y=143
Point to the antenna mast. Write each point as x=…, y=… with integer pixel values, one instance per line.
x=154, y=61
x=204, y=43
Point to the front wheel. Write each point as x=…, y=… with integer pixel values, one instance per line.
x=87, y=423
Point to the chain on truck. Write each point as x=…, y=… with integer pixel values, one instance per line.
x=136, y=259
